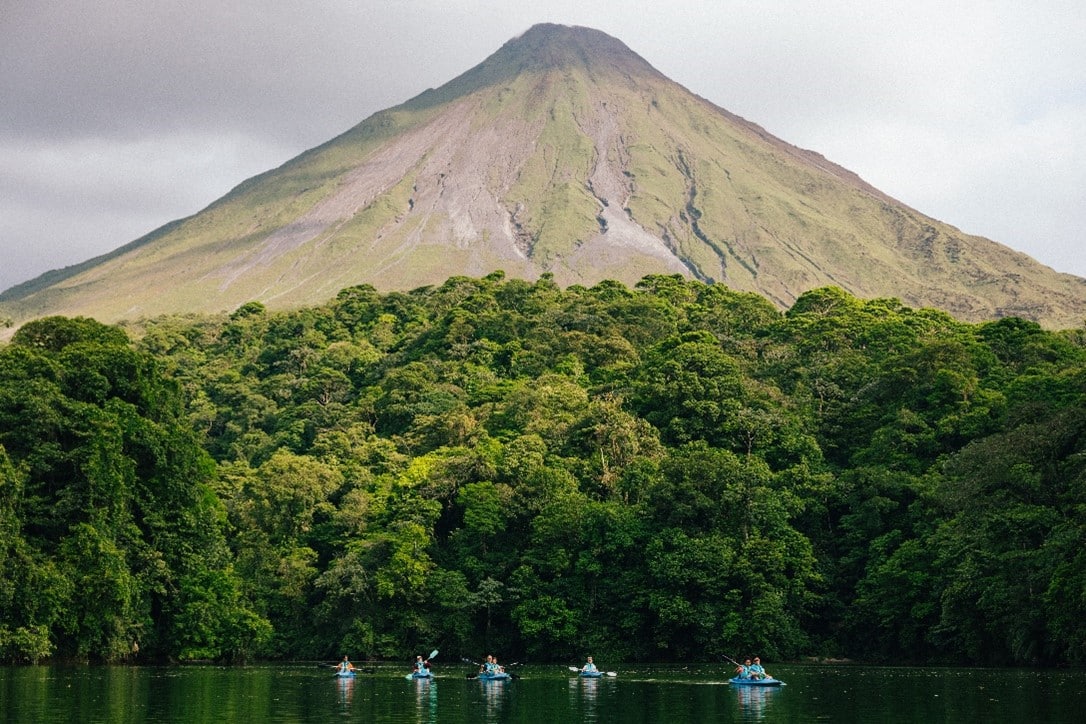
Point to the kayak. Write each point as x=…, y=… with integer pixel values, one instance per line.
x=345, y=674
x=420, y=675
x=590, y=674
x=768, y=681
x=501, y=676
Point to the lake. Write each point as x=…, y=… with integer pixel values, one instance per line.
x=647, y=694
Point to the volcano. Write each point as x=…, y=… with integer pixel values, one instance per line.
x=563, y=153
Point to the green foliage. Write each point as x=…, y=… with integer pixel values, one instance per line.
x=29, y=596
x=667, y=472
x=106, y=499
x=52, y=334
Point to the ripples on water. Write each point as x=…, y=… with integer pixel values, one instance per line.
x=645, y=694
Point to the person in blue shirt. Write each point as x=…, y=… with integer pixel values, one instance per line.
x=491, y=666
x=589, y=667
x=743, y=670
x=755, y=670
x=345, y=666
x=421, y=667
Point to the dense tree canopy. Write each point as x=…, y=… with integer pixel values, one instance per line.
x=113, y=537
x=666, y=472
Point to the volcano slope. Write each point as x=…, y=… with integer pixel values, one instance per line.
x=562, y=153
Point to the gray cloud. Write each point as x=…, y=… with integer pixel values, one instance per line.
x=121, y=116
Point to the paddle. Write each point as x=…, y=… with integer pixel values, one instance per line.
x=426, y=666
x=737, y=664
x=473, y=663
x=605, y=673
x=338, y=666
x=356, y=669
x=476, y=663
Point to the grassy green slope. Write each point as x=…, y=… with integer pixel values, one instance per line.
x=180, y=267
x=748, y=210
x=557, y=211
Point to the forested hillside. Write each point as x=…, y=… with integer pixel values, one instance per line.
x=670, y=472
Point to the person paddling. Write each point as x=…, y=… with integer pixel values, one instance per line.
x=421, y=666
x=755, y=671
x=345, y=666
x=491, y=665
x=743, y=670
x=589, y=667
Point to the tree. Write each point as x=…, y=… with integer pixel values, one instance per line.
x=115, y=507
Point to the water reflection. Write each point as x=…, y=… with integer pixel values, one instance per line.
x=493, y=697
x=753, y=700
x=584, y=695
x=345, y=684
x=425, y=700
x=643, y=695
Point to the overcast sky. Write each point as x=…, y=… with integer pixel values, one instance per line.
x=117, y=116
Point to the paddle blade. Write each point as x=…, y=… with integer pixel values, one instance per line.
x=573, y=668
x=432, y=654
x=612, y=673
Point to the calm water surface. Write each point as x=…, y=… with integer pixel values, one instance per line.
x=651, y=695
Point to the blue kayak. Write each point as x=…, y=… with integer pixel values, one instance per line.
x=345, y=674
x=420, y=675
x=501, y=676
x=768, y=681
x=590, y=674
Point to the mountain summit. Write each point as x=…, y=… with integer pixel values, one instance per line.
x=548, y=47
x=565, y=153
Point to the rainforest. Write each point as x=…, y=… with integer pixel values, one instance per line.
x=665, y=472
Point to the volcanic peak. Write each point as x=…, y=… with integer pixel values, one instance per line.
x=542, y=48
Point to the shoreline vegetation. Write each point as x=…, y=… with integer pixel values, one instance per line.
x=667, y=472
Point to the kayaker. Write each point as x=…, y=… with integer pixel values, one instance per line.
x=345, y=666
x=755, y=671
x=743, y=670
x=421, y=667
x=491, y=665
x=589, y=667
